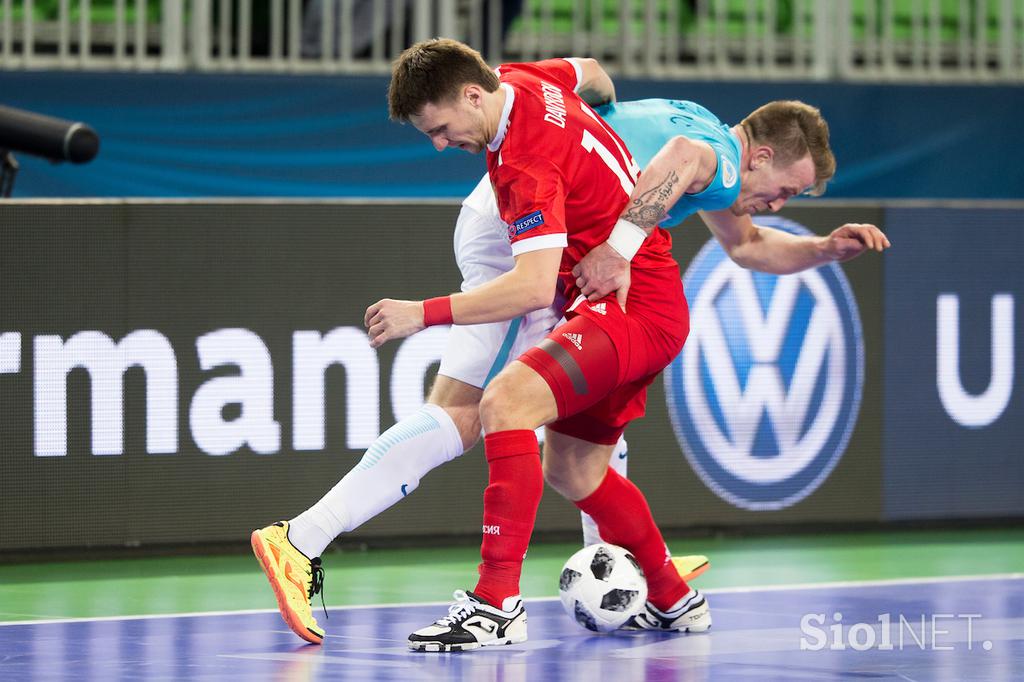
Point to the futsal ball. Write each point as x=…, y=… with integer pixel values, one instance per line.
x=602, y=586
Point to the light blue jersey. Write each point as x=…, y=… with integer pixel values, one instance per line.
x=647, y=124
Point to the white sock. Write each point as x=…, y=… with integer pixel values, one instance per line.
x=389, y=470
x=618, y=462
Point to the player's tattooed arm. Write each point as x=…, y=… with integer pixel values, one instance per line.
x=606, y=268
x=679, y=165
x=651, y=206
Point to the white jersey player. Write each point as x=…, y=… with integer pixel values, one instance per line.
x=449, y=423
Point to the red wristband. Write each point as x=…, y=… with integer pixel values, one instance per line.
x=437, y=311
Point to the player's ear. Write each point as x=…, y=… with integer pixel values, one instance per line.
x=762, y=155
x=473, y=94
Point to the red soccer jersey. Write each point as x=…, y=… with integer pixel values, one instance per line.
x=561, y=175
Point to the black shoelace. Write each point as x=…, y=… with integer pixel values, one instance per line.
x=317, y=584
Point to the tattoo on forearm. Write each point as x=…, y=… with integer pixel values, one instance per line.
x=650, y=208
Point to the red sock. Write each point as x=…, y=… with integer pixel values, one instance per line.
x=623, y=518
x=510, y=507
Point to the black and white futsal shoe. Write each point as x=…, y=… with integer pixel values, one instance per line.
x=691, y=614
x=472, y=623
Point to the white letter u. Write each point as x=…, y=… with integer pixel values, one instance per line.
x=974, y=410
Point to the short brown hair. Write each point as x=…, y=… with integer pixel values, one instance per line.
x=434, y=71
x=794, y=129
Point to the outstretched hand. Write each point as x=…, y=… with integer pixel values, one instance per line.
x=389, y=319
x=601, y=272
x=851, y=240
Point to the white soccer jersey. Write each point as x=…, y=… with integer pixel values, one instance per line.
x=482, y=249
x=475, y=353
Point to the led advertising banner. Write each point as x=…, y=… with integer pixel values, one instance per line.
x=182, y=372
x=774, y=404
x=954, y=396
x=768, y=388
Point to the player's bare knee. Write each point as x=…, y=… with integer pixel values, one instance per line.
x=462, y=403
x=557, y=477
x=494, y=407
x=563, y=473
x=568, y=483
x=467, y=421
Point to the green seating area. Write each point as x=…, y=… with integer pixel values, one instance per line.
x=729, y=17
x=733, y=18
x=101, y=11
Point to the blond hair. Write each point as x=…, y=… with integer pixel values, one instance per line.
x=794, y=129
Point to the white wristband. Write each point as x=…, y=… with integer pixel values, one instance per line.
x=626, y=238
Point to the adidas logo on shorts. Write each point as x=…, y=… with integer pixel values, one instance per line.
x=575, y=339
x=600, y=308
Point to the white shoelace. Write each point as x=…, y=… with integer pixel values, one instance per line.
x=460, y=610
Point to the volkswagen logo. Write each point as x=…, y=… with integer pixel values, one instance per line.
x=766, y=391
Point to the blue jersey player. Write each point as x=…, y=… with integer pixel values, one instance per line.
x=693, y=162
x=646, y=125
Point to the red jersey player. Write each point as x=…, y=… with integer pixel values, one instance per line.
x=561, y=178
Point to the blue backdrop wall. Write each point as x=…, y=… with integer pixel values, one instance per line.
x=171, y=135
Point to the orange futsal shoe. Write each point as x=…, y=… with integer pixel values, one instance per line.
x=691, y=566
x=294, y=577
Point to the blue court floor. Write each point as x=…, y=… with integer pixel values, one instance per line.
x=955, y=629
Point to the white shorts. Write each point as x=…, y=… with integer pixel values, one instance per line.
x=475, y=353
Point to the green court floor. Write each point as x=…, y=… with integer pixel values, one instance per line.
x=184, y=584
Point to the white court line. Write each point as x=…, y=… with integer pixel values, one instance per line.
x=712, y=591
x=866, y=583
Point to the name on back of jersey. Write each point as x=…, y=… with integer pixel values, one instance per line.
x=554, y=104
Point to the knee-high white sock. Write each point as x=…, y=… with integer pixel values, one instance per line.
x=389, y=470
x=618, y=462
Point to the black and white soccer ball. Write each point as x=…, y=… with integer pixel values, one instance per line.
x=602, y=586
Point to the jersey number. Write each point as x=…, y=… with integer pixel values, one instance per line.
x=591, y=143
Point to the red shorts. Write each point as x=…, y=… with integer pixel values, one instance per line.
x=600, y=362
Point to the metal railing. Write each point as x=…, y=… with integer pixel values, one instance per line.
x=882, y=40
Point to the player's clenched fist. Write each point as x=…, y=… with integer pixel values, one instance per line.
x=389, y=319
x=853, y=239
